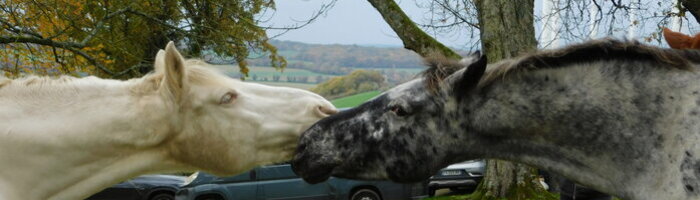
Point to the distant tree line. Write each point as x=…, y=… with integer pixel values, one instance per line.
x=340, y=59
x=356, y=82
x=291, y=79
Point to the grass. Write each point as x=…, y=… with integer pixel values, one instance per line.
x=409, y=70
x=232, y=70
x=268, y=72
x=454, y=197
x=354, y=100
x=305, y=86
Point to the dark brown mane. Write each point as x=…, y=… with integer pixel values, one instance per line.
x=592, y=51
x=598, y=50
x=439, y=67
x=609, y=49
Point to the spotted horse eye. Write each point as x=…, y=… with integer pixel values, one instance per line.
x=399, y=111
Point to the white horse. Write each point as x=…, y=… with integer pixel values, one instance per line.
x=67, y=138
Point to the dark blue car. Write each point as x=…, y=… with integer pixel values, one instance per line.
x=279, y=182
x=146, y=187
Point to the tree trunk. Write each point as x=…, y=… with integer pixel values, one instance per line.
x=413, y=37
x=156, y=43
x=159, y=38
x=693, y=6
x=507, y=30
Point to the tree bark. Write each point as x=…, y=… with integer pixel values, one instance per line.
x=693, y=6
x=413, y=37
x=507, y=30
x=159, y=37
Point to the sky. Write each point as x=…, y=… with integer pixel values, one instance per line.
x=357, y=22
x=348, y=22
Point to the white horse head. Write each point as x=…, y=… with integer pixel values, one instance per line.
x=246, y=124
x=67, y=138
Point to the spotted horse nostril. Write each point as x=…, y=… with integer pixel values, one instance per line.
x=326, y=111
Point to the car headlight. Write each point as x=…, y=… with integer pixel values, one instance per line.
x=191, y=178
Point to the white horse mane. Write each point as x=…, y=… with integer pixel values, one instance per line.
x=198, y=71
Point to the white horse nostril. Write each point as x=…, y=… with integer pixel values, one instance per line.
x=326, y=111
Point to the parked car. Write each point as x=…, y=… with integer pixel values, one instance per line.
x=280, y=182
x=146, y=187
x=464, y=175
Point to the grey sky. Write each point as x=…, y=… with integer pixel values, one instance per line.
x=357, y=22
x=349, y=22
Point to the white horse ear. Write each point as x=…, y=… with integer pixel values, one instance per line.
x=174, y=80
x=159, y=62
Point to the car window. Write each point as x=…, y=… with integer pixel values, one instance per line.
x=246, y=176
x=275, y=172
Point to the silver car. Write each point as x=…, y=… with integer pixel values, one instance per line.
x=464, y=175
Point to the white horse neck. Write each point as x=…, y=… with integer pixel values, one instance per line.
x=60, y=138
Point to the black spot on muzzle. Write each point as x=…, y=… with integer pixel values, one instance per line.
x=311, y=169
x=329, y=142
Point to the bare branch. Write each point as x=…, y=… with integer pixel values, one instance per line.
x=324, y=8
x=456, y=14
x=40, y=41
x=161, y=22
x=15, y=29
x=130, y=69
x=413, y=37
x=91, y=60
x=100, y=25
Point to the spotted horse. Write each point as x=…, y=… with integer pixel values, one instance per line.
x=618, y=116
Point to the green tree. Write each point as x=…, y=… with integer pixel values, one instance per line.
x=120, y=39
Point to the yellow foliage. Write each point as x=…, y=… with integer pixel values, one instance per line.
x=356, y=82
x=121, y=35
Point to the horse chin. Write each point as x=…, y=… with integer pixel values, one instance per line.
x=316, y=174
x=318, y=177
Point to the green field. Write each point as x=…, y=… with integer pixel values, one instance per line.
x=232, y=70
x=354, y=100
x=305, y=86
x=455, y=197
x=409, y=70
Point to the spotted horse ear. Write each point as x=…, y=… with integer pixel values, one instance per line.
x=470, y=77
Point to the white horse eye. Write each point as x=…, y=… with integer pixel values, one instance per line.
x=228, y=98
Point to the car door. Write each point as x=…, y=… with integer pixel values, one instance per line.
x=239, y=187
x=279, y=182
